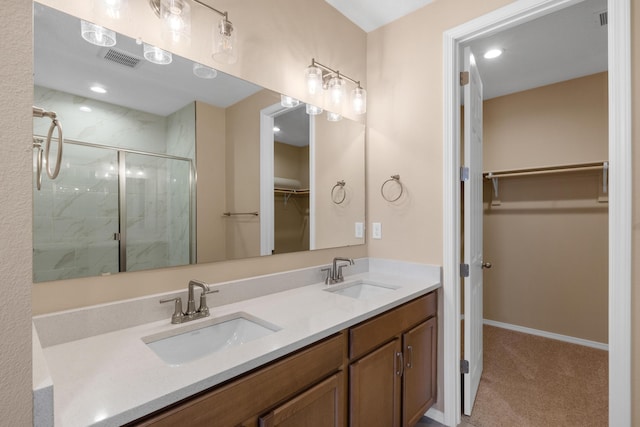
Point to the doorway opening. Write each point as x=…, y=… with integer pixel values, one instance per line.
x=619, y=150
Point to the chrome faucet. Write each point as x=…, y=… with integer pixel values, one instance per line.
x=191, y=314
x=334, y=273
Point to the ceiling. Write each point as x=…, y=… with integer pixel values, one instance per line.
x=561, y=46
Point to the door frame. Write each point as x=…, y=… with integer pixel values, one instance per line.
x=620, y=195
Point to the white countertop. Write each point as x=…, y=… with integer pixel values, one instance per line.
x=114, y=378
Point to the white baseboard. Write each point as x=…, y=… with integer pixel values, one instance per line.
x=553, y=336
x=435, y=415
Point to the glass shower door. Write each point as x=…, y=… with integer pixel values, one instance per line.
x=75, y=217
x=157, y=223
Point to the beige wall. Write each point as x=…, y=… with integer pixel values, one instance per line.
x=339, y=155
x=243, y=173
x=278, y=38
x=16, y=87
x=635, y=280
x=210, y=153
x=548, y=237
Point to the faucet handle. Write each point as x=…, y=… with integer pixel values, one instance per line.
x=177, y=315
x=204, y=309
x=328, y=270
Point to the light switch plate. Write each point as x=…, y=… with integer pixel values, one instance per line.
x=377, y=230
x=359, y=230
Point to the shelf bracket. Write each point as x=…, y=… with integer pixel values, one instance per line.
x=495, y=200
x=604, y=196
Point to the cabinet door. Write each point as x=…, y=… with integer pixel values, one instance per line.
x=320, y=406
x=375, y=388
x=419, y=385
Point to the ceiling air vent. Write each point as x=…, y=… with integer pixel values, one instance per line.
x=122, y=58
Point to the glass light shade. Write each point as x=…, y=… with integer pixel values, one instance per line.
x=359, y=100
x=96, y=34
x=176, y=21
x=156, y=55
x=333, y=117
x=336, y=92
x=225, y=45
x=313, y=76
x=313, y=110
x=114, y=9
x=289, y=102
x=204, y=72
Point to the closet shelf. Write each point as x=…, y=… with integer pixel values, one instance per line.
x=493, y=176
x=291, y=191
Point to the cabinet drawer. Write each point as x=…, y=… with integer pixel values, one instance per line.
x=236, y=402
x=372, y=333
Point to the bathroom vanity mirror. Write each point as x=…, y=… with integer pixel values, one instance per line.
x=179, y=163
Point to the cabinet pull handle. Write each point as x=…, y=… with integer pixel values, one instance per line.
x=399, y=372
x=410, y=361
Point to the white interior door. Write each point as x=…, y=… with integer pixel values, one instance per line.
x=472, y=231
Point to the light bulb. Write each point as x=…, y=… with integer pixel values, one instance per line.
x=359, y=100
x=225, y=47
x=336, y=91
x=176, y=21
x=113, y=8
x=313, y=76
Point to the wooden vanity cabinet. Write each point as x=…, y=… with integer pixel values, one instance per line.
x=386, y=366
x=392, y=375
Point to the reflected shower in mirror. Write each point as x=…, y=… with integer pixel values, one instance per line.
x=165, y=165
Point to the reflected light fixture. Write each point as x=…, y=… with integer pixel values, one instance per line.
x=176, y=17
x=204, y=72
x=319, y=76
x=288, y=102
x=333, y=117
x=156, y=55
x=97, y=35
x=312, y=110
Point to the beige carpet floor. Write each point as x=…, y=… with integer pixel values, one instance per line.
x=533, y=381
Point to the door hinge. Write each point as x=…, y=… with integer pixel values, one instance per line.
x=464, y=366
x=464, y=173
x=116, y=236
x=464, y=270
x=464, y=78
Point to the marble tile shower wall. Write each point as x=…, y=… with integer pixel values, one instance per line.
x=76, y=215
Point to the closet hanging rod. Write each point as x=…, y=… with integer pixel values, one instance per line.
x=546, y=170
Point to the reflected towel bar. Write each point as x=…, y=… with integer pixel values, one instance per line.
x=239, y=213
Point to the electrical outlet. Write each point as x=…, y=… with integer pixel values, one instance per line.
x=359, y=230
x=377, y=230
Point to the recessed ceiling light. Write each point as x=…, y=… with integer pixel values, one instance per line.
x=98, y=89
x=85, y=109
x=492, y=53
x=276, y=129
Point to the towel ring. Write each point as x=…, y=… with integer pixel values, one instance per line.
x=339, y=184
x=55, y=124
x=394, y=178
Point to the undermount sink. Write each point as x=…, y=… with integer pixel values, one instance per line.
x=197, y=340
x=361, y=289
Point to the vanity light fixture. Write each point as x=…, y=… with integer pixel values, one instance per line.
x=319, y=76
x=276, y=129
x=492, y=53
x=176, y=17
x=97, y=35
x=288, y=102
x=156, y=55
